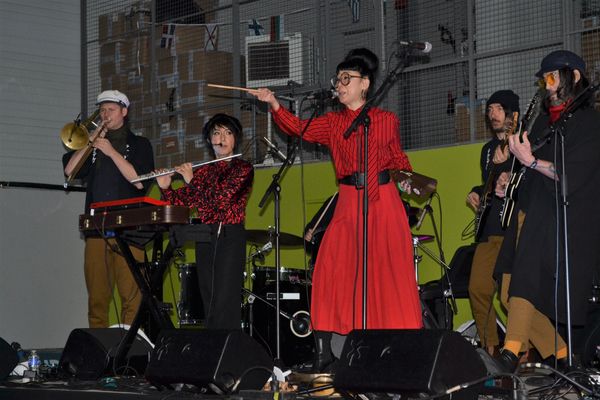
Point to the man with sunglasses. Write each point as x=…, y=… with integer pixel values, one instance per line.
x=532, y=275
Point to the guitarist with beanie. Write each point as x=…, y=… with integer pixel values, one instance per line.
x=502, y=109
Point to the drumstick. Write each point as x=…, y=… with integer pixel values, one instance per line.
x=243, y=89
x=324, y=211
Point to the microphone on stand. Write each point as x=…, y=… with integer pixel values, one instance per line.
x=323, y=94
x=425, y=47
x=424, y=212
x=262, y=251
x=274, y=149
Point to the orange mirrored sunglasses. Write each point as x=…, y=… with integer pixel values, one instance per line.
x=550, y=78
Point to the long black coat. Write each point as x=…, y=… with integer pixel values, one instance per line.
x=533, y=261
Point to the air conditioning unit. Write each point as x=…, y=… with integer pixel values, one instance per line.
x=274, y=63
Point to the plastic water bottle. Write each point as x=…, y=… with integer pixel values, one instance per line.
x=34, y=361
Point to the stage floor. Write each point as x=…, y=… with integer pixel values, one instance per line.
x=539, y=384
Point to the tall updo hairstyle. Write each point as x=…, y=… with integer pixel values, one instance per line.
x=363, y=61
x=226, y=121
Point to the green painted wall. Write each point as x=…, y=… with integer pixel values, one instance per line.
x=303, y=190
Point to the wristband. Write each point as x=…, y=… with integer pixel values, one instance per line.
x=533, y=164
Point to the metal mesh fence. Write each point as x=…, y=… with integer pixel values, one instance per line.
x=162, y=54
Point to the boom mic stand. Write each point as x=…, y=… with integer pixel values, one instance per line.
x=275, y=189
x=363, y=119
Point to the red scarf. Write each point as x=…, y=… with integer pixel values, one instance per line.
x=556, y=111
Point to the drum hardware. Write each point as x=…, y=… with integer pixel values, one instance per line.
x=448, y=294
x=264, y=236
x=260, y=253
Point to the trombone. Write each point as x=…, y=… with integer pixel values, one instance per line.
x=75, y=135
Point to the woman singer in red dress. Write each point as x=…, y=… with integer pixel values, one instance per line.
x=392, y=294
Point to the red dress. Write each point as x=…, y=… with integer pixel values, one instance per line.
x=393, y=300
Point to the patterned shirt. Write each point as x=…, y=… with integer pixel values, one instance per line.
x=385, y=152
x=219, y=192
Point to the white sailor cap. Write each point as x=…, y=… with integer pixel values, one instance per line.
x=113, y=96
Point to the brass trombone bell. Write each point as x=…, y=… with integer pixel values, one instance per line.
x=75, y=135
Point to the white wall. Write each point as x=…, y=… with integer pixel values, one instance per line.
x=42, y=289
x=39, y=86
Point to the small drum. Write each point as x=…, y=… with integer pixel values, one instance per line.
x=297, y=344
x=263, y=276
x=190, y=309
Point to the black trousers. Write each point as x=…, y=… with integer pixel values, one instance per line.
x=220, y=265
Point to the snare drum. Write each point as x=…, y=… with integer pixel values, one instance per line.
x=190, y=309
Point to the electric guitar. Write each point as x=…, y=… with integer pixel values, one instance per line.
x=517, y=170
x=488, y=187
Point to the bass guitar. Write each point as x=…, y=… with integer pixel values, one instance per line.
x=517, y=170
x=488, y=187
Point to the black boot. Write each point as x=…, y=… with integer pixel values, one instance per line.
x=323, y=355
x=507, y=361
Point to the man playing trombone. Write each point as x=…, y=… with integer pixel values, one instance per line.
x=117, y=156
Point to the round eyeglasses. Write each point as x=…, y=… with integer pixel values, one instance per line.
x=344, y=79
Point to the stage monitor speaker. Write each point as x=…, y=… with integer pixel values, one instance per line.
x=89, y=354
x=408, y=361
x=8, y=359
x=218, y=360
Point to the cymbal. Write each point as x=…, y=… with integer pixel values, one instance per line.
x=264, y=236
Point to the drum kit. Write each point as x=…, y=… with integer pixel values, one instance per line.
x=258, y=306
x=259, y=313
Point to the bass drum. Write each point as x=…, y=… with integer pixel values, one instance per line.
x=296, y=339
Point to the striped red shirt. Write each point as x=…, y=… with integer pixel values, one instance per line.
x=385, y=151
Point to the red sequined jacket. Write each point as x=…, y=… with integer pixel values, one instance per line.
x=219, y=192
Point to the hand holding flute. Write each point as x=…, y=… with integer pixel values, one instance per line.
x=185, y=170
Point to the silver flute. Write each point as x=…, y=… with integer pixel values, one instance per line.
x=152, y=175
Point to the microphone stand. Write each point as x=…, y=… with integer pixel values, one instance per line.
x=275, y=189
x=558, y=129
x=363, y=119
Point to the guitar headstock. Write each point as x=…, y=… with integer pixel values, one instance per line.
x=532, y=112
x=512, y=125
x=509, y=128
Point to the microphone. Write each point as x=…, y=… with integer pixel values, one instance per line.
x=323, y=94
x=425, y=47
x=274, y=149
x=423, y=213
x=263, y=250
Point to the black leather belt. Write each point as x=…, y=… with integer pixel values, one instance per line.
x=358, y=179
